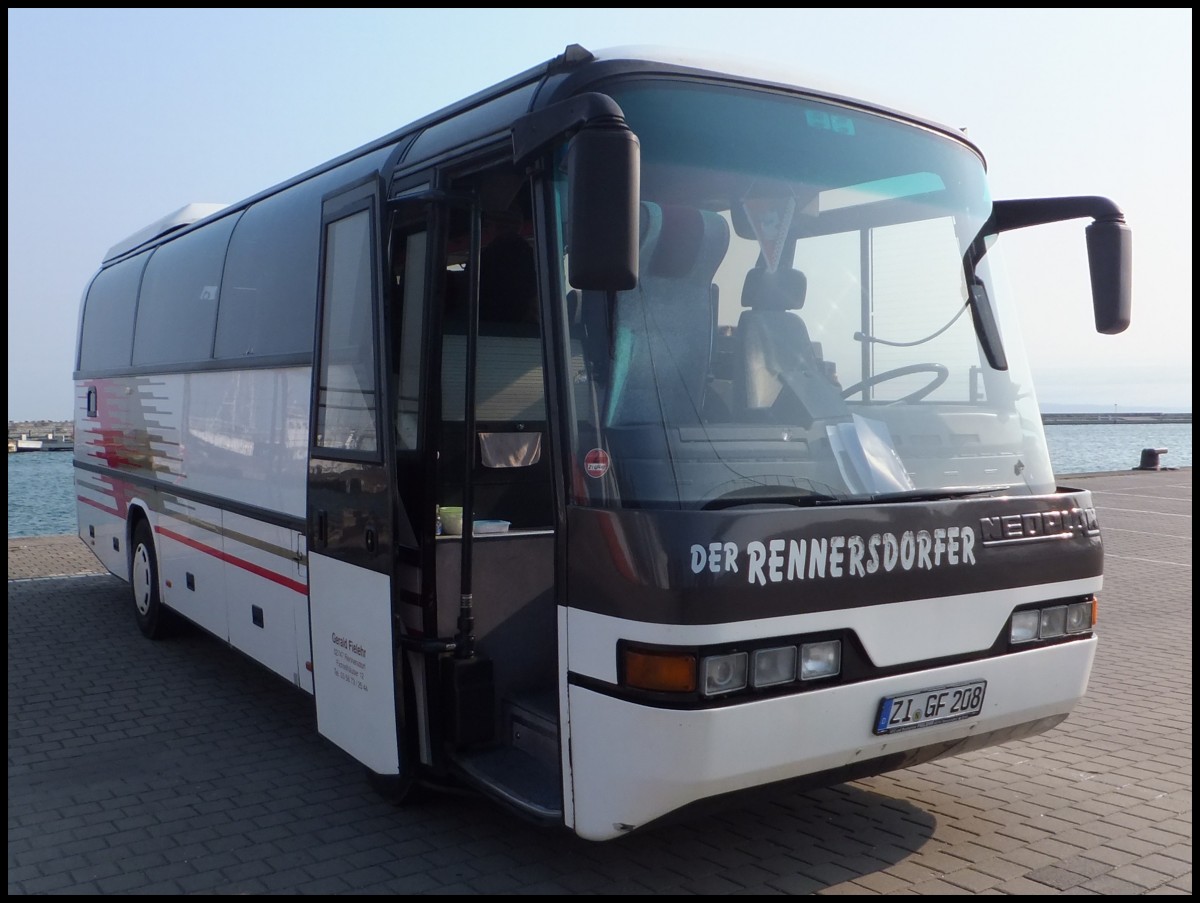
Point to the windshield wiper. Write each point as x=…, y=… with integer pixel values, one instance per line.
x=790, y=497
x=933, y=495
x=818, y=499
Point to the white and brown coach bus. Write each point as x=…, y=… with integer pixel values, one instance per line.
x=629, y=434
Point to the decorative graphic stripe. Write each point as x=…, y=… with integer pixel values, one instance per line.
x=255, y=569
x=104, y=508
x=270, y=548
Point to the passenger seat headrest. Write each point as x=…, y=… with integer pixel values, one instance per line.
x=782, y=290
x=679, y=243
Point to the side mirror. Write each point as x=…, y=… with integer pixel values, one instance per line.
x=1109, y=244
x=604, y=173
x=604, y=160
x=1110, y=259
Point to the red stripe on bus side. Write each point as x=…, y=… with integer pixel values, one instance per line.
x=255, y=569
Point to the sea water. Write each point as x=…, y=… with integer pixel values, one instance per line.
x=41, y=494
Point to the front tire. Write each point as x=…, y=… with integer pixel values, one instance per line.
x=143, y=580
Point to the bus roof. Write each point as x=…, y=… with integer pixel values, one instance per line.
x=575, y=68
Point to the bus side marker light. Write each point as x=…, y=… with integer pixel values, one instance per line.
x=671, y=672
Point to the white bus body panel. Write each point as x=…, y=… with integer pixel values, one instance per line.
x=101, y=525
x=353, y=667
x=633, y=763
x=240, y=436
x=268, y=607
x=894, y=634
x=629, y=764
x=236, y=435
x=187, y=540
x=244, y=437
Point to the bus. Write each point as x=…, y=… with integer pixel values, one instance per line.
x=633, y=436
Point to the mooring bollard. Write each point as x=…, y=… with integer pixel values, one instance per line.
x=1150, y=458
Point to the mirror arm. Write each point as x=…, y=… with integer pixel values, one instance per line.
x=531, y=133
x=1017, y=214
x=1109, y=244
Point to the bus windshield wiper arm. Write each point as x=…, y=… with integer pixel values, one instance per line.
x=933, y=495
x=796, y=500
x=817, y=499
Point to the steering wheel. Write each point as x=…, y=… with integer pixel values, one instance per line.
x=939, y=371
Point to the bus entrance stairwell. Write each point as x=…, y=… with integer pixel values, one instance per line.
x=500, y=703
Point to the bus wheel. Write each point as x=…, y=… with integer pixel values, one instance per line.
x=143, y=579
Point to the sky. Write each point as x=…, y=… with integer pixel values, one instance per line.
x=117, y=117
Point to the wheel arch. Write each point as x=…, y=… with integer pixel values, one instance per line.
x=137, y=514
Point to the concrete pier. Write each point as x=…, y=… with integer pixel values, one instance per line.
x=179, y=767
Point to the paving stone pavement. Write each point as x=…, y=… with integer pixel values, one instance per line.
x=179, y=767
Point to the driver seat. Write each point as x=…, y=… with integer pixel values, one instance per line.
x=780, y=374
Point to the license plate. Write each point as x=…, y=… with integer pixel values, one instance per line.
x=926, y=707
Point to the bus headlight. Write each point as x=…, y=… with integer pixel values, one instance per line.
x=774, y=666
x=1025, y=626
x=725, y=673
x=1079, y=617
x=722, y=674
x=1053, y=621
x=820, y=659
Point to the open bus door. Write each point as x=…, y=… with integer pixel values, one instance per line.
x=497, y=701
x=352, y=523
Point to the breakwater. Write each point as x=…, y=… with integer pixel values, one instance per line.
x=1113, y=417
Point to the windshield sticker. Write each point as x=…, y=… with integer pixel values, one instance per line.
x=834, y=557
x=832, y=122
x=595, y=463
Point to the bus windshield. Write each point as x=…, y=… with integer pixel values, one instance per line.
x=817, y=318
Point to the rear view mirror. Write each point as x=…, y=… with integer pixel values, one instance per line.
x=1110, y=259
x=1109, y=244
x=604, y=169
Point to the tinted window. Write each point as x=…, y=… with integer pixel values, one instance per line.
x=106, y=338
x=177, y=310
x=269, y=293
x=346, y=398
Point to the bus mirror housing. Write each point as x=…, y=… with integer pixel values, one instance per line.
x=604, y=162
x=1110, y=260
x=604, y=173
x=1109, y=245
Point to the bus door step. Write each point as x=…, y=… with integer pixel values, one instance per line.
x=523, y=771
x=516, y=779
x=531, y=725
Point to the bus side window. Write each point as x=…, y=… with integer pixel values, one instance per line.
x=508, y=283
x=511, y=478
x=408, y=268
